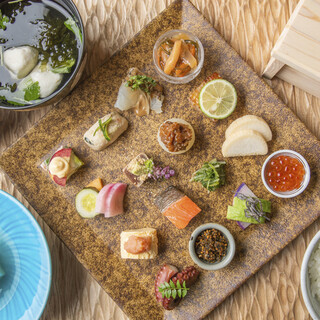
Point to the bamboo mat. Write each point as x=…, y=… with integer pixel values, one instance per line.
x=251, y=27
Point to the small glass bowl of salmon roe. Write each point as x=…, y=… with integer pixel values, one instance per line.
x=285, y=173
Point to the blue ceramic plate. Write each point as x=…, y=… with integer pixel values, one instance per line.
x=25, y=261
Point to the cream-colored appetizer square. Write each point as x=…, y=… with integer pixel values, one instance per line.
x=145, y=232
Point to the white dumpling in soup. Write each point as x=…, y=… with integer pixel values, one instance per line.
x=48, y=81
x=20, y=60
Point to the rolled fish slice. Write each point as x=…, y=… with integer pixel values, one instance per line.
x=110, y=199
x=101, y=198
x=177, y=207
x=114, y=201
x=94, y=137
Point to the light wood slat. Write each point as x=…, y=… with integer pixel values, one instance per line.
x=252, y=28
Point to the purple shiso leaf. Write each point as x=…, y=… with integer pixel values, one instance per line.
x=244, y=189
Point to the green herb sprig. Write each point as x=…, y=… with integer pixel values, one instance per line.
x=104, y=128
x=71, y=25
x=148, y=166
x=65, y=67
x=170, y=289
x=3, y=21
x=141, y=82
x=32, y=92
x=211, y=175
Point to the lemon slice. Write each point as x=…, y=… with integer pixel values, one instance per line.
x=218, y=99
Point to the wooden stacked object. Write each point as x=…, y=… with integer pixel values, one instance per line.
x=295, y=56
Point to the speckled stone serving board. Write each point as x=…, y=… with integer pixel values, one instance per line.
x=96, y=242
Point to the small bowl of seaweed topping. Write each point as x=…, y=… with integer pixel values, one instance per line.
x=211, y=246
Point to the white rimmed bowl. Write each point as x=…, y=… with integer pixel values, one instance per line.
x=306, y=179
x=312, y=304
x=194, y=72
x=230, y=250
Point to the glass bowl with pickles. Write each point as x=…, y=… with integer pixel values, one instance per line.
x=178, y=56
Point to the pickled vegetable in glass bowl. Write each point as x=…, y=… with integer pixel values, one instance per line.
x=178, y=56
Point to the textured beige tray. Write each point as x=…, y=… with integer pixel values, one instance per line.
x=280, y=278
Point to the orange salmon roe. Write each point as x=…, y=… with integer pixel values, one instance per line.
x=284, y=173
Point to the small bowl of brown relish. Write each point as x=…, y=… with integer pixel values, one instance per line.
x=176, y=136
x=212, y=246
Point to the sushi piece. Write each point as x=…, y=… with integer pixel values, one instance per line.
x=105, y=131
x=139, y=244
x=177, y=207
x=136, y=170
x=139, y=92
x=110, y=199
x=20, y=60
x=62, y=165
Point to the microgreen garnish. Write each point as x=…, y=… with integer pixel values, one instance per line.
x=71, y=25
x=141, y=82
x=254, y=207
x=104, y=128
x=156, y=172
x=3, y=21
x=211, y=175
x=170, y=289
x=32, y=92
x=148, y=166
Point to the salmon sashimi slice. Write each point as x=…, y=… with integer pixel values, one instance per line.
x=181, y=212
x=194, y=96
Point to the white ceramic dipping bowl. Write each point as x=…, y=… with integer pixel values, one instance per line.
x=306, y=179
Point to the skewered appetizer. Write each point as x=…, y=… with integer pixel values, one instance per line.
x=171, y=286
x=139, y=244
x=62, y=165
x=105, y=131
x=140, y=93
x=177, y=207
x=176, y=136
x=139, y=169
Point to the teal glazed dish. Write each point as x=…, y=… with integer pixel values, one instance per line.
x=25, y=262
